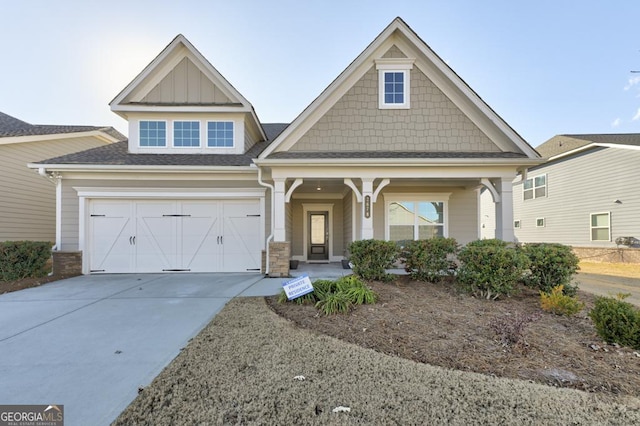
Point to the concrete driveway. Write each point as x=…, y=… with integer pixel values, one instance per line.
x=90, y=342
x=607, y=285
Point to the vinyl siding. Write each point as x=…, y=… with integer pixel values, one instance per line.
x=586, y=183
x=186, y=84
x=433, y=123
x=28, y=200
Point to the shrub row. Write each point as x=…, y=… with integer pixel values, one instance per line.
x=22, y=259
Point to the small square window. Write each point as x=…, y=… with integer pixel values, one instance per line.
x=153, y=133
x=540, y=222
x=535, y=187
x=393, y=85
x=516, y=224
x=220, y=134
x=186, y=133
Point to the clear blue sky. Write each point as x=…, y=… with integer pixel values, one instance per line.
x=546, y=66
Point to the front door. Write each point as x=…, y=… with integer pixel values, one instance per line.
x=318, y=236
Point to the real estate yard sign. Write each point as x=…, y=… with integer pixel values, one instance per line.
x=297, y=287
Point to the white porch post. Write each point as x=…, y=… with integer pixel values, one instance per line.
x=279, y=231
x=504, y=211
x=367, y=209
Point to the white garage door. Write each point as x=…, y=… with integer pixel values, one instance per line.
x=175, y=235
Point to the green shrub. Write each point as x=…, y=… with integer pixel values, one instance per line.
x=22, y=259
x=559, y=303
x=490, y=269
x=324, y=287
x=617, y=321
x=370, y=258
x=429, y=260
x=551, y=265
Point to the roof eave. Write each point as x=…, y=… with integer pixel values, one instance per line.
x=140, y=168
x=56, y=136
x=401, y=162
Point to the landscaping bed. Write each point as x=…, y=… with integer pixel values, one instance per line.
x=438, y=325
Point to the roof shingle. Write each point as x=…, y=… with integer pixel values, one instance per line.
x=564, y=143
x=12, y=127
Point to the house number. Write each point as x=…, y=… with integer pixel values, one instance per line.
x=367, y=206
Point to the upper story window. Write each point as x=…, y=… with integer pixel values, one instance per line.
x=220, y=134
x=394, y=82
x=534, y=187
x=153, y=133
x=186, y=133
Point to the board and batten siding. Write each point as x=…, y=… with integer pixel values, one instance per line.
x=28, y=200
x=577, y=186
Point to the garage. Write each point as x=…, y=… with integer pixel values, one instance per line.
x=134, y=236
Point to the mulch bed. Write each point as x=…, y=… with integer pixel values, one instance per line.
x=439, y=325
x=9, y=286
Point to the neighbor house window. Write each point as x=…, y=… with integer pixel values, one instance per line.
x=220, y=134
x=535, y=187
x=415, y=220
x=153, y=133
x=393, y=82
x=516, y=224
x=186, y=133
x=540, y=222
x=601, y=226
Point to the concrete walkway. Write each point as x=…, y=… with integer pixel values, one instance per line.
x=90, y=342
x=606, y=285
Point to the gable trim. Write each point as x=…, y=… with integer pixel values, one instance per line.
x=446, y=80
x=593, y=145
x=105, y=137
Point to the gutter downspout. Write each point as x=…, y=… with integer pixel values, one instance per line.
x=270, y=237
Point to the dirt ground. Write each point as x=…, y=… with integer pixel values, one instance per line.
x=628, y=270
x=438, y=325
x=9, y=286
x=251, y=367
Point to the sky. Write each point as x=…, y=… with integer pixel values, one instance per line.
x=546, y=67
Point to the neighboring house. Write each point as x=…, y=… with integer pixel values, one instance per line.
x=27, y=201
x=587, y=193
x=203, y=185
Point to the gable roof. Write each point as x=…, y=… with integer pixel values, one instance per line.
x=116, y=155
x=507, y=139
x=180, y=52
x=13, y=127
x=562, y=145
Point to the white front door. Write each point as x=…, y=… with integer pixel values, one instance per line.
x=175, y=235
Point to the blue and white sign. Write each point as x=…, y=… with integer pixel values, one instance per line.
x=297, y=287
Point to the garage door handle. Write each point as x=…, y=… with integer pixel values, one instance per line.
x=130, y=239
x=134, y=240
x=221, y=242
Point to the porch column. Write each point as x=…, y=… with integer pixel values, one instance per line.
x=504, y=211
x=279, y=231
x=367, y=209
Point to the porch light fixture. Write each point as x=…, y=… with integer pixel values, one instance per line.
x=318, y=188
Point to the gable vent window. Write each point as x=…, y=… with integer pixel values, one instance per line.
x=186, y=133
x=220, y=134
x=535, y=187
x=153, y=133
x=394, y=82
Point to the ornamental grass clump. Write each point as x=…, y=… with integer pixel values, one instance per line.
x=429, y=260
x=490, y=268
x=559, y=303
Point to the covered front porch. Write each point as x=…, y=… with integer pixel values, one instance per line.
x=318, y=212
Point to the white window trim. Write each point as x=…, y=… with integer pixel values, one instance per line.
x=403, y=65
x=591, y=227
x=544, y=222
x=438, y=197
x=166, y=131
x=206, y=135
x=534, y=187
x=173, y=135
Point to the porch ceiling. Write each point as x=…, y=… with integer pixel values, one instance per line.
x=333, y=186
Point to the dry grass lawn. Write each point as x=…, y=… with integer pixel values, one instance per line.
x=628, y=270
x=242, y=368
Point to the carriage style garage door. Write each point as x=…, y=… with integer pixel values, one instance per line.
x=174, y=235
